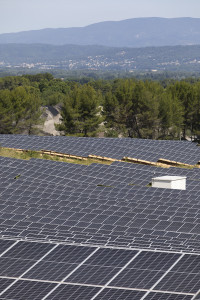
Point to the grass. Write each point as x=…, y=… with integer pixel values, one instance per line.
x=26, y=155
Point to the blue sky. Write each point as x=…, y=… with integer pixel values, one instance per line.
x=19, y=15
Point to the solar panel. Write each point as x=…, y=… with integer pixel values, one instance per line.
x=73, y=292
x=28, y=250
x=70, y=254
x=117, y=294
x=183, y=277
x=92, y=274
x=137, y=278
x=12, y=267
x=23, y=290
x=167, y=296
x=51, y=271
x=180, y=282
x=154, y=260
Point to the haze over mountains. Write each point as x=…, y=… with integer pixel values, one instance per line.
x=137, y=32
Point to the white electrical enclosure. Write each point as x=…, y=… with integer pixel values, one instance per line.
x=169, y=182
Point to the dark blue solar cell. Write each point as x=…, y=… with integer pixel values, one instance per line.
x=137, y=278
x=118, y=294
x=91, y=274
x=29, y=250
x=111, y=257
x=51, y=271
x=69, y=254
x=23, y=290
x=12, y=267
x=154, y=260
x=179, y=282
x=4, y=283
x=167, y=296
x=5, y=244
x=73, y=292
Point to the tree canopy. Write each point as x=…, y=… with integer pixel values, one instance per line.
x=167, y=109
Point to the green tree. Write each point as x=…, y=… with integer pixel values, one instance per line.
x=171, y=116
x=32, y=112
x=11, y=82
x=196, y=123
x=6, y=112
x=133, y=108
x=20, y=110
x=186, y=94
x=81, y=112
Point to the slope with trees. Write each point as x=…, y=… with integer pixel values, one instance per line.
x=121, y=107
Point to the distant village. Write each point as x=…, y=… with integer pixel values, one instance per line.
x=101, y=62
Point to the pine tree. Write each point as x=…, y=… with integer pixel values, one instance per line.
x=20, y=110
x=6, y=112
x=81, y=112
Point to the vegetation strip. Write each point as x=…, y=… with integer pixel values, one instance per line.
x=69, y=158
x=165, y=109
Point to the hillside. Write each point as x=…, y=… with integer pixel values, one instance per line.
x=137, y=32
x=74, y=57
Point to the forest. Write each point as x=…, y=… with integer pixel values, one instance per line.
x=135, y=108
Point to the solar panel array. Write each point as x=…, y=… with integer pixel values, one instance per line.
x=72, y=231
x=111, y=205
x=151, y=150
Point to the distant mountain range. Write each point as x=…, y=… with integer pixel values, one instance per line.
x=138, y=32
x=142, y=44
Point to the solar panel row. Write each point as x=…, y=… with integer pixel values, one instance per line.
x=151, y=150
x=48, y=270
